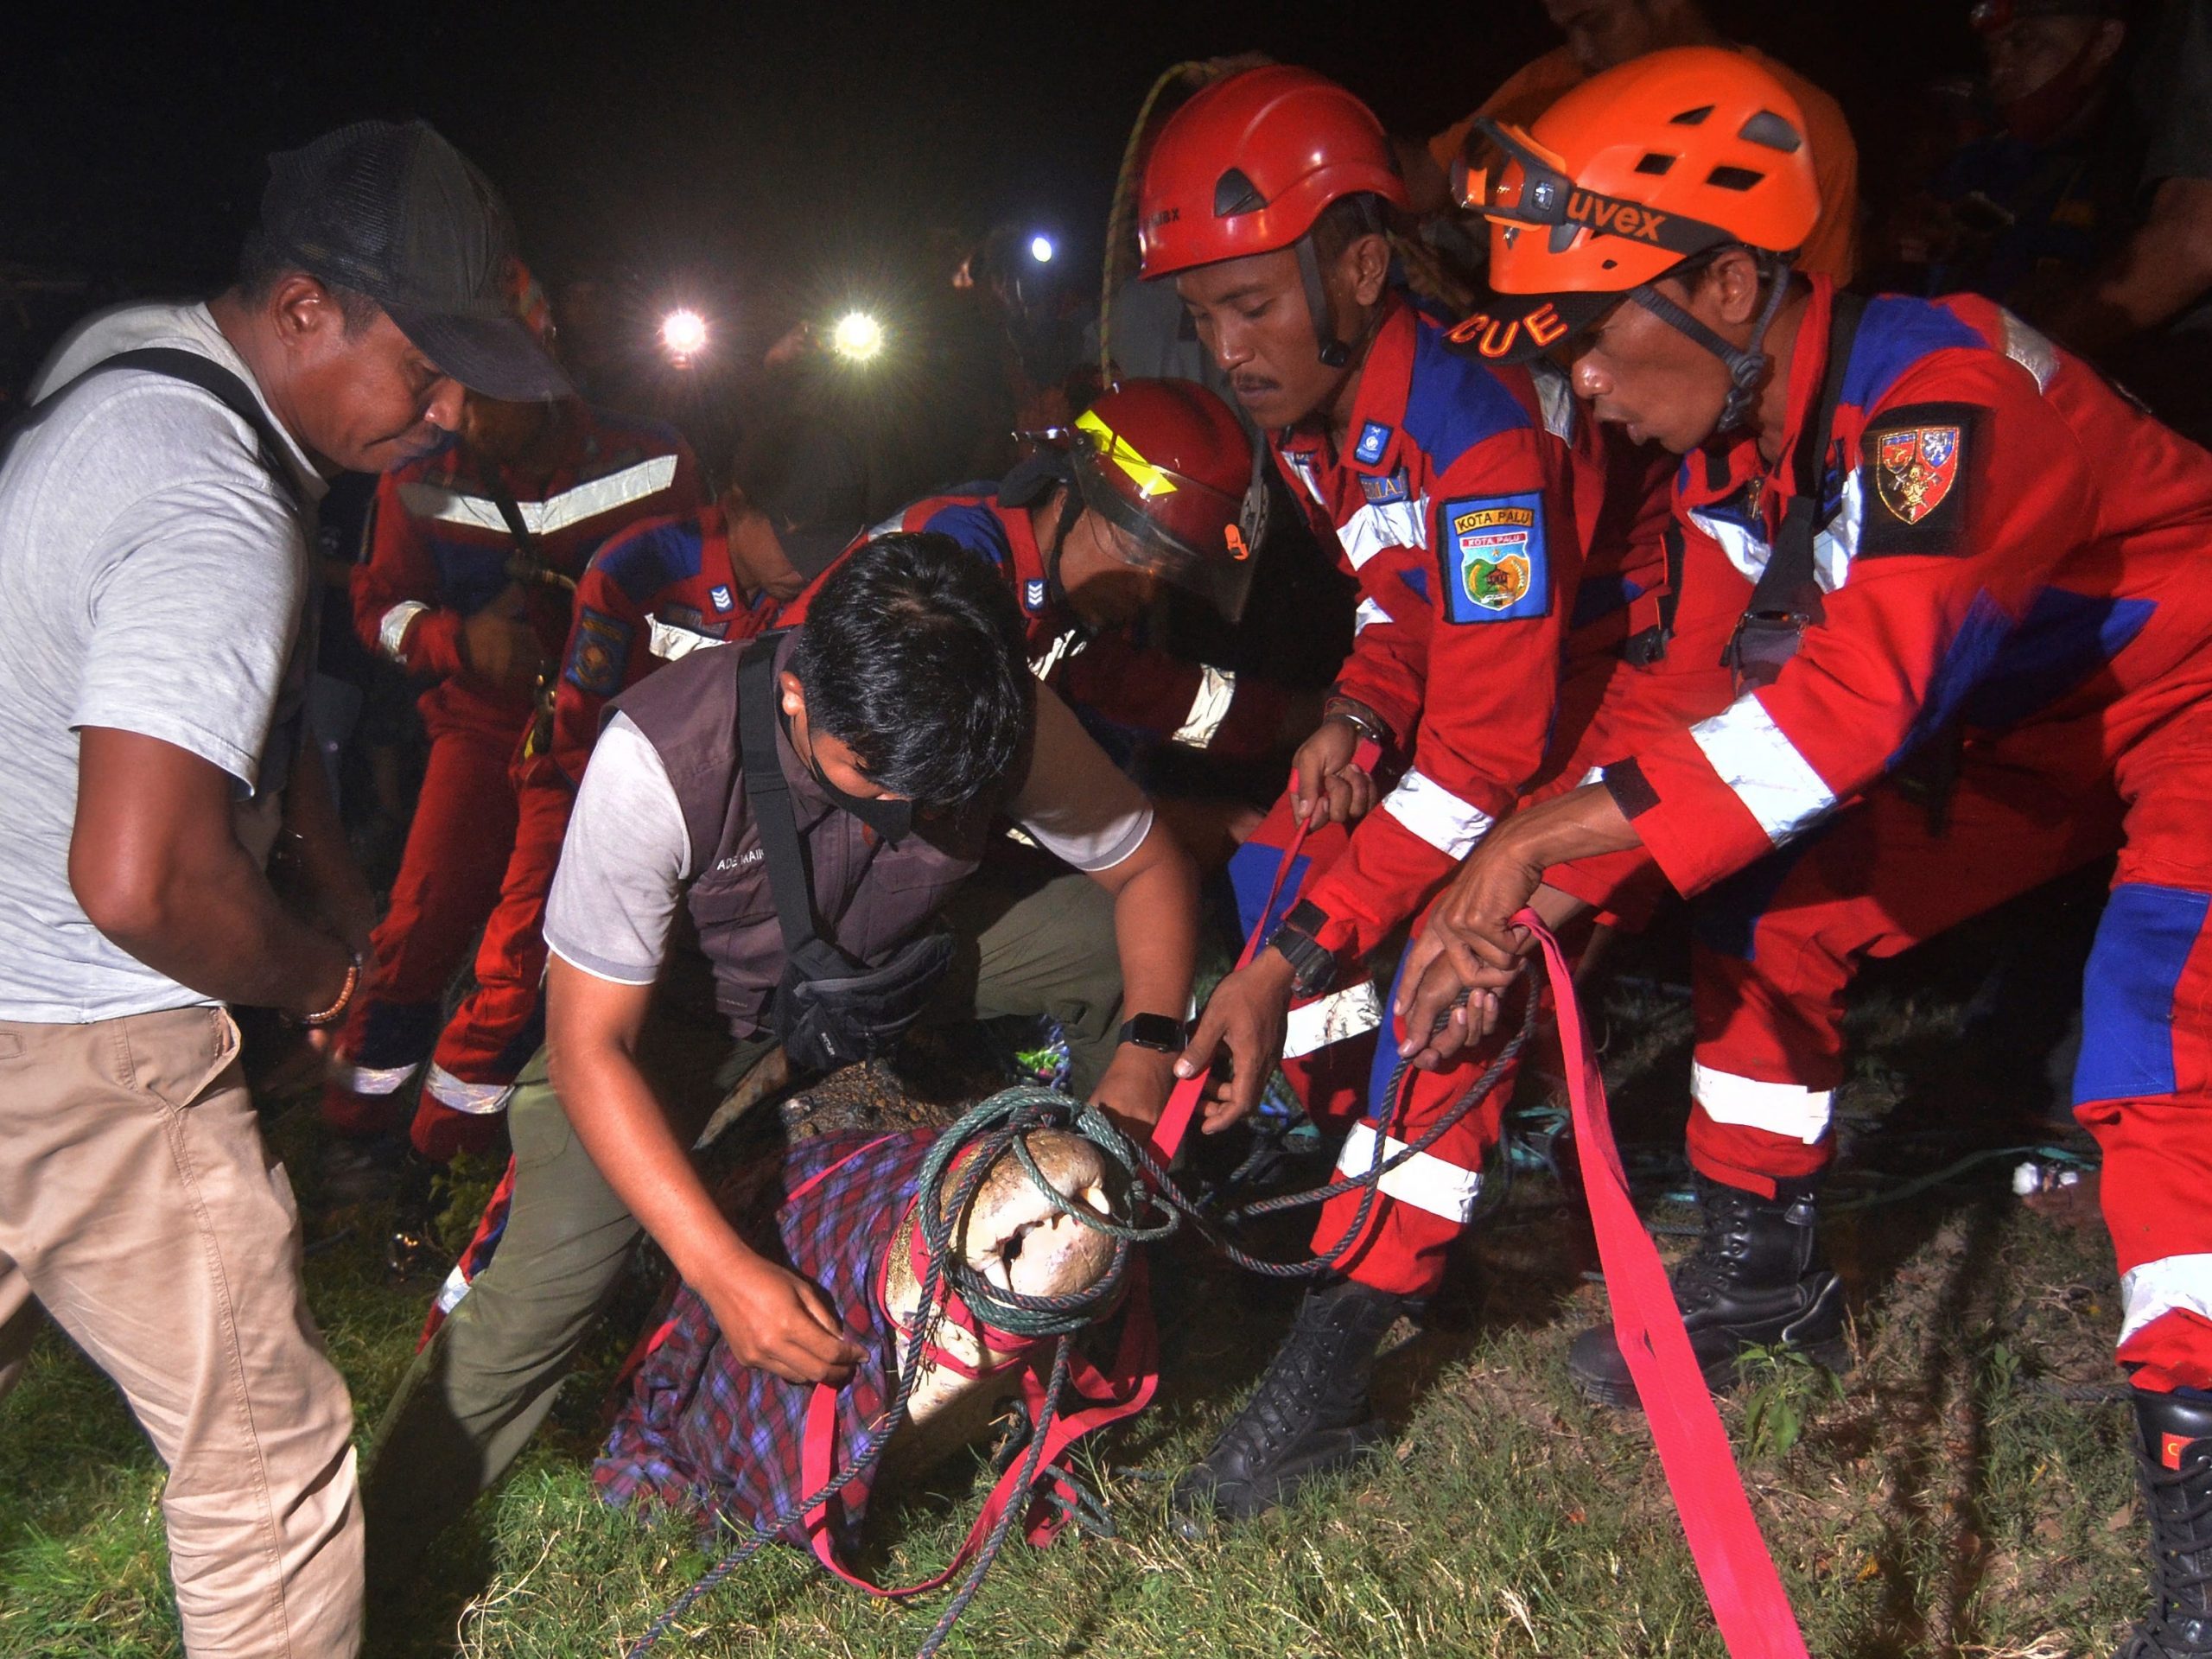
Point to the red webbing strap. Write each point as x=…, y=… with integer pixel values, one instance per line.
x=1107, y=1397
x=1182, y=1105
x=1748, y=1600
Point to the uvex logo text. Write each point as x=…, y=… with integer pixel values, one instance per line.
x=1621, y=218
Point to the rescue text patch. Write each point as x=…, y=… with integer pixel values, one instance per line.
x=1492, y=549
x=600, y=654
x=1916, y=461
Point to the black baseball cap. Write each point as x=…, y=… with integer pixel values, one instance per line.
x=392, y=210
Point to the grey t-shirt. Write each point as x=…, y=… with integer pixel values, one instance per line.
x=157, y=577
x=627, y=855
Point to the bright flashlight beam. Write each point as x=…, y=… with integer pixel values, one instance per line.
x=684, y=334
x=857, y=336
x=1040, y=249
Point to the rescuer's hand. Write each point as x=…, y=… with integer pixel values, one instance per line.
x=499, y=647
x=1441, y=964
x=774, y=1319
x=1136, y=1088
x=1246, y=1015
x=1330, y=788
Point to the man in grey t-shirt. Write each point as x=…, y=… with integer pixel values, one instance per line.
x=156, y=513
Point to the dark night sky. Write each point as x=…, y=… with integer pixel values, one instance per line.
x=749, y=153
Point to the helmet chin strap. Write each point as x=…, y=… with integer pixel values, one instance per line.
x=1747, y=365
x=1335, y=352
x=1070, y=510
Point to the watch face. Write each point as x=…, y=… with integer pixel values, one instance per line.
x=1153, y=1031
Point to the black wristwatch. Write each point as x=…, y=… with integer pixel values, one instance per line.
x=1312, y=965
x=1153, y=1031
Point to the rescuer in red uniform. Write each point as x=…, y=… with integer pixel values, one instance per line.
x=1964, y=564
x=474, y=553
x=1454, y=494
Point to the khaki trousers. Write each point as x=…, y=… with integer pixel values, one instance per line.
x=1032, y=942
x=140, y=1208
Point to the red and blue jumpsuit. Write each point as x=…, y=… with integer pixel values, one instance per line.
x=439, y=552
x=2016, y=564
x=655, y=592
x=1459, y=507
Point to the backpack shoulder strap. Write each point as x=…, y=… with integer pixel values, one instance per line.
x=769, y=799
x=219, y=383
x=1790, y=582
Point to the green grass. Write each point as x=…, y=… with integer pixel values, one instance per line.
x=1960, y=1495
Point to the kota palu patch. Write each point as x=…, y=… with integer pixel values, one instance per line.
x=1917, y=459
x=1492, y=547
x=600, y=654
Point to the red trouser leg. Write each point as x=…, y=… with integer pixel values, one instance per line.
x=501, y=1022
x=448, y=880
x=1778, y=946
x=1331, y=1039
x=2144, y=1086
x=1424, y=1203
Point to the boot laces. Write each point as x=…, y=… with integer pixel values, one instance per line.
x=1705, y=1272
x=1293, y=1390
x=2181, y=1530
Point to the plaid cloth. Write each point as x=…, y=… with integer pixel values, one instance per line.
x=703, y=1432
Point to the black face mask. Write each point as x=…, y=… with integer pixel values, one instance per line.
x=890, y=820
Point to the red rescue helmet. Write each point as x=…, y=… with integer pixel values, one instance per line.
x=1166, y=462
x=1248, y=166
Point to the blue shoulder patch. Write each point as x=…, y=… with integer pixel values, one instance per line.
x=975, y=527
x=1453, y=403
x=1492, y=553
x=1895, y=334
x=599, y=655
x=648, y=558
x=1374, y=439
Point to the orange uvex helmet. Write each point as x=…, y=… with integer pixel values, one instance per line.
x=1661, y=158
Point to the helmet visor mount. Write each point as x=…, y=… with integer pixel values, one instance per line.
x=1179, y=528
x=1510, y=181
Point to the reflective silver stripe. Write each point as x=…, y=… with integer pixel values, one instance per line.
x=668, y=642
x=1835, y=546
x=1352, y=1012
x=477, y=1099
x=451, y=1292
x=2159, y=1287
x=1778, y=1108
x=1068, y=644
x=556, y=513
x=1436, y=815
x=1777, y=785
x=1217, y=691
x=1302, y=465
x=1742, y=546
x=2030, y=350
x=370, y=1079
x=392, y=633
x=1379, y=525
x=1424, y=1180
x=1367, y=613
x=1554, y=398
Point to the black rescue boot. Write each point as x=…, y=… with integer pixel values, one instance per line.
x=1308, y=1416
x=1755, y=1281
x=2173, y=1455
